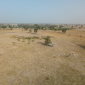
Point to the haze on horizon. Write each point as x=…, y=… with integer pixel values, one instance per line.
x=42, y=11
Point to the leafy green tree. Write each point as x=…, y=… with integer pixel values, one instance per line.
x=25, y=27
x=72, y=27
x=42, y=28
x=4, y=27
x=45, y=29
x=64, y=30
x=60, y=26
x=51, y=27
x=36, y=26
x=55, y=29
x=10, y=27
x=47, y=40
x=35, y=30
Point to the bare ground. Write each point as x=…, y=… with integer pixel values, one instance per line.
x=38, y=64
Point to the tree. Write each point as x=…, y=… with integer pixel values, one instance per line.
x=36, y=26
x=25, y=27
x=64, y=30
x=60, y=26
x=45, y=29
x=42, y=28
x=51, y=27
x=10, y=27
x=55, y=29
x=4, y=27
x=47, y=40
x=35, y=30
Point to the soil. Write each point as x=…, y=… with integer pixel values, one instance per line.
x=37, y=64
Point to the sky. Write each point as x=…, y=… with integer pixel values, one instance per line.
x=42, y=11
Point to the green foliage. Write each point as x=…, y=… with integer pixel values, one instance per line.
x=45, y=28
x=10, y=27
x=26, y=27
x=4, y=27
x=32, y=40
x=55, y=29
x=59, y=29
x=29, y=38
x=42, y=28
x=60, y=26
x=36, y=26
x=47, y=40
x=51, y=27
x=13, y=43
x=35, y=30
x=64, y=30
x=18, y=39
x=23, y=39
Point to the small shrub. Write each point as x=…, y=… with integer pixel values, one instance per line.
x=23, y=40
x=18, y=39
x=55, y=29
x=29, y=38
x=13, y=43
x=66, y=55
x=32, y=40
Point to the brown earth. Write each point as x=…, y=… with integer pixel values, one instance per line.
x=38, y=64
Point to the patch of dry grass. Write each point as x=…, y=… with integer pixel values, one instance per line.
x=37, y=64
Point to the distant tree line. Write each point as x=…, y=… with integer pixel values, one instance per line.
x=37, y=27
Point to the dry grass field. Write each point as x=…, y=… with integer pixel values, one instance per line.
x=37, y=64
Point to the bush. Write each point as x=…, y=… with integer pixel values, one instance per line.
x=23, y=39
x=10, y=27
x=13, y=43
x=29, y=38
x=64, y=30
x=47, y=40
x=55, y=29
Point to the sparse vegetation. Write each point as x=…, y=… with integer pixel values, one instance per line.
x=64, y=30
x=13, y=43
x=18, y=39
x=10, y=27
x=30, y=30
x=26, y=27
x=80, y=35
x=47, y=40
x=4, y=27
x=36, y=55
x=23, y=39
x=32, y=40
x=35, y=30
x=29, y=38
